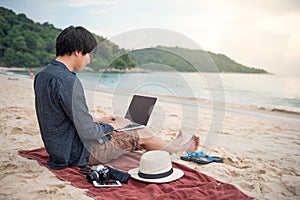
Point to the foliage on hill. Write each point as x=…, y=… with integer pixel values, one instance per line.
x=28, y=44
x=24, y=43
x=181, y=59
x=109, y=56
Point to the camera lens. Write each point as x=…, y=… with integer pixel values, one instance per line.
x=92, y=176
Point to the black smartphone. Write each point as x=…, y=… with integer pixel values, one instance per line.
x=111, y=183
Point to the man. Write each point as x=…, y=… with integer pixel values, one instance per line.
x=70, y=135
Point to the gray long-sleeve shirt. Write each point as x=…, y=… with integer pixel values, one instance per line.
x=66, y=126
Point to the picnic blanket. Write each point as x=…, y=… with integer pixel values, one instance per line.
x=193, y=185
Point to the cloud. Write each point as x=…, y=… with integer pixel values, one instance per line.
x=293, y=48
x=262, y=34
x=283, y=23
x=81, y=3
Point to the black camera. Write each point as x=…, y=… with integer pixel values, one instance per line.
x=102, y=175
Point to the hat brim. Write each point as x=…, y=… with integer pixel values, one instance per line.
x=177, y=173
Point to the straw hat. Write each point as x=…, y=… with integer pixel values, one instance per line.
x=156, y=167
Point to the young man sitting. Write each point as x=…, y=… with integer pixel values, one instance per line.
x=69, y=132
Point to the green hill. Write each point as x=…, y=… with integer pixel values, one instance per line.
x=28, y=44
x=24, y=43
x=187, y=60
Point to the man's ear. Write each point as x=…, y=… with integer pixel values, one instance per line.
x=77, y=53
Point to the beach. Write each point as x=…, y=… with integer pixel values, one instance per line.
x=260, y=148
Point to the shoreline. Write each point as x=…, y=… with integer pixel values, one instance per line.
x=291, y=113
x=285, y=112
x=204, y=104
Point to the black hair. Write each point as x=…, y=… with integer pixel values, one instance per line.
x=75, y=39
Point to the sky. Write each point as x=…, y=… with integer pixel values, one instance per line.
x=261, y=34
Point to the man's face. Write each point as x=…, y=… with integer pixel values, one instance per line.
x=83, y=60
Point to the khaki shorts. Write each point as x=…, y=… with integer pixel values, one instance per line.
x=120, y=143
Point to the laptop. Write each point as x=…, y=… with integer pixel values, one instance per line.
x=139, y=112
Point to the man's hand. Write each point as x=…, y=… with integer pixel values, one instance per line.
x=105, y=120
x=119, y=122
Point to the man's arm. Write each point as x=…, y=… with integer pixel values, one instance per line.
x=74, y=104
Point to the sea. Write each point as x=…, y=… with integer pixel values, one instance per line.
x=263, y=91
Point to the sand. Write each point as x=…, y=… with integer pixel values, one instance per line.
x=261, y=148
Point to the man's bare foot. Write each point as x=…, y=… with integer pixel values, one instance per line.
x=178, y=140
x=193, y=144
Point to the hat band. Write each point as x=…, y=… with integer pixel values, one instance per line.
x=155, y=176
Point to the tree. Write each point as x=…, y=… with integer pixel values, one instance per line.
x=19, y=44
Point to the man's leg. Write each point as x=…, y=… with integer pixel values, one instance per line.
x=122, y=143
x=150, y=142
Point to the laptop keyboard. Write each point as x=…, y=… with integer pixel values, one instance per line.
x=132, y=125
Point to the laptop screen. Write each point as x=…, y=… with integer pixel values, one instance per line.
x=140, y=109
